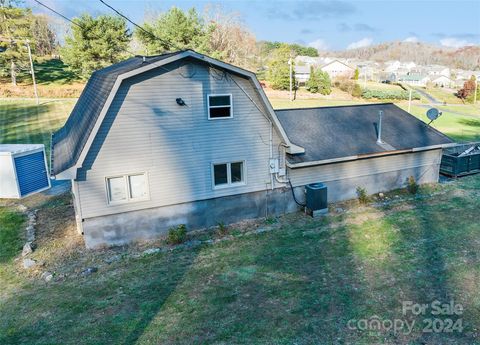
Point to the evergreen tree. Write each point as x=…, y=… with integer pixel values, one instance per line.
x=313, y=82
x=324, y=83
x=15, y=23
x=356, y=74
x=175, y=30
x=278, y=73
x=95, y=43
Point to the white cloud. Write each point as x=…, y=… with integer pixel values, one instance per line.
x=455, y=42
x=413, y=39
x=319, y=44
x=364, y=42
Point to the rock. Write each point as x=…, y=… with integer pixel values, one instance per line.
x=381, y=195
x=339, y=210
x=27, y=249
x=88, y=271
x=47, y=276
x=29, y=263
x=151, y=251
x=22, y=208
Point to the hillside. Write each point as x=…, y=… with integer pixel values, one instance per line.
x=421, y=53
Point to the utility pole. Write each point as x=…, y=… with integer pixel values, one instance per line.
x=290, y=65
x=32, y=71
x=409, y=99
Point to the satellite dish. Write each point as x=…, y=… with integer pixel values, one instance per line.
x=433, y=114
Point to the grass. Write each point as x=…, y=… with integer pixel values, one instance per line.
x=379, y=86
x=282, y=103
x=443, y=95
x=460, y=127
x=51, y=72
x=10, y=233
x=299, y=283
x=25, y=122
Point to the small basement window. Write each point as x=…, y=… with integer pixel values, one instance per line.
x=127, y=188
x=219, y=106
x=228, y=174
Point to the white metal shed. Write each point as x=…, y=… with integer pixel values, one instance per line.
x=23, y=170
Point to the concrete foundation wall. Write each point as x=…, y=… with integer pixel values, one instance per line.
x=150, y=223
x=121, y=228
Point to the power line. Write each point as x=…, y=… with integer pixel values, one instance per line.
x=151, y=34
x=75, y=23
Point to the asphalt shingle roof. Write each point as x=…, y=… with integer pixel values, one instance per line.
x=68, y=141
x=345, y=131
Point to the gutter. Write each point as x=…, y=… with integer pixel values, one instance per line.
x=366, y=156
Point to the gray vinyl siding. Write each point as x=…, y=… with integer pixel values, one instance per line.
x=429, y=161
x=146, y=131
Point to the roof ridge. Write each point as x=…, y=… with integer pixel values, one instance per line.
x=336, y=106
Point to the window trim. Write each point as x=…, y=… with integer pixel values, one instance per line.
x=219, y=106
x=128, y=199
x=229, y=183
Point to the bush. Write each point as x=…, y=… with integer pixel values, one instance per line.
x=357, y=91
x=362, y=195
x=388, y=94
x=177, y=235
x=412, y=185
x=222, y=228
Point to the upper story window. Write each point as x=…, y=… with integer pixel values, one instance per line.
x=219, y=106
x=125, y=188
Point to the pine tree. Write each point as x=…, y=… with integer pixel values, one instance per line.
x=278, y=73
x=15, y=26
x=95, y=43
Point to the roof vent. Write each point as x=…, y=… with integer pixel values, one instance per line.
x=143, y=58
x=379, y=129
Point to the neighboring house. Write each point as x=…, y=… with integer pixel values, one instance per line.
x=182, y=138
x=337, y=69
x=437, y=70
x=392, y=66
x=443, y=81
x=302, y=74
x=414, y=79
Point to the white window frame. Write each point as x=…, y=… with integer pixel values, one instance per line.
x=127, y=188
x=219, y=106
x=229, y=183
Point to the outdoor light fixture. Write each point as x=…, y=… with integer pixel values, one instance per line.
x=180, y=102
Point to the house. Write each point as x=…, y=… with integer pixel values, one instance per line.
x=302, y=74
x=443, y=81
x=336, y=69
x=414, y=79
x=181, y=138
x=438, y=70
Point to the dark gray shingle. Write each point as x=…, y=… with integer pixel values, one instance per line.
x=343, y=131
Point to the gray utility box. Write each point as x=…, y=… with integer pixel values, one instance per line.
x=316, y=197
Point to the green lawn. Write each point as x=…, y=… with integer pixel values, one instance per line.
x=298, y=284
x=460, y=128
x=444, y=95
x=25, y=122
x=50, y=72
x=283, y=103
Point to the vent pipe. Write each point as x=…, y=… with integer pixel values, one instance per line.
x=143, y=58
x=379, y=129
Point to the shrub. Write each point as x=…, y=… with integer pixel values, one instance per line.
x=362, y=195
x=412, y=185
x=177, y=235
x=388, y=94
x=357, y=91
x=222, y=228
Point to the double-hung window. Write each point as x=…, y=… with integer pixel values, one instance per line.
x=219, y=106
x=228, y=174
x=125, y=188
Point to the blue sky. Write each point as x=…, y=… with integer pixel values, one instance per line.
x=325, y=24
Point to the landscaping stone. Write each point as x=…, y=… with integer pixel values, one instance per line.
x=47, y=276
x=29, y=263
x=27, y=249
x=151, y=251
x=88, y=271
x=339, y=210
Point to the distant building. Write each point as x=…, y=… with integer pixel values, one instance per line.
x=337, y=69
x=443, y=81
x=437, y=70
x=302, y=74
x=414, y=79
